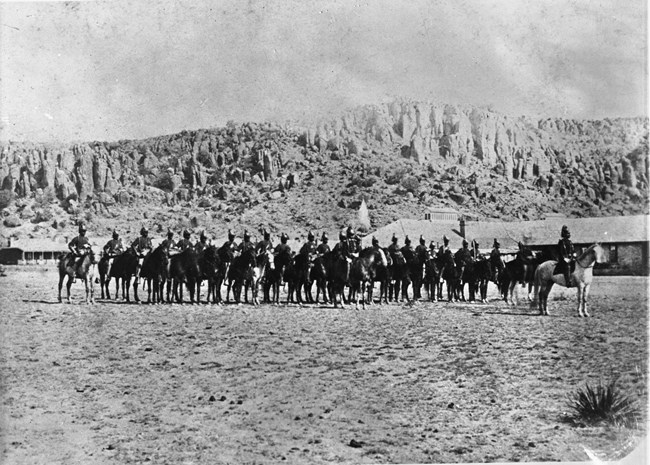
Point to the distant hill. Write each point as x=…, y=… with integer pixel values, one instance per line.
x=400, y=157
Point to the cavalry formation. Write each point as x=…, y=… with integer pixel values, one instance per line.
x=401, y=272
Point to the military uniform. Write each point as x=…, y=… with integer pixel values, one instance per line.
x=265, y=244
x=407, y=250
x=496, y=261
x=309, y=247
x=462, y=258
x=185, y=242
x=76, y=246
x=246, y=244
x=202, y=244
x=168, y=243
x=282, y=247
x=566, y=253
x=113, y=247
x=139, y=247
x=421, y=249
x=444, y=248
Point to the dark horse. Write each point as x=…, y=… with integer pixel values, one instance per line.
x=184, y=269
x=477, y=275
x=433, y=267
x=255, y=274
x=318, y=275
x=210, y=267
x=338, y=273
x=83, y=268
x=104, y=268
x=416, y=264
x=237, y=273
x=124, y=268
x=364, y=270
x=520, y=270
x=275, y=277
x=450, y=275
x=399, y=276
x=298, y=277
x=155, y=272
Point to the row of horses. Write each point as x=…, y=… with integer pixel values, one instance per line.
x=401, y=276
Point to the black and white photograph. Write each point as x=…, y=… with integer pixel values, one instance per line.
x=324, y=232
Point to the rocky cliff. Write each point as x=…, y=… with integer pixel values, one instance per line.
x=400, y=156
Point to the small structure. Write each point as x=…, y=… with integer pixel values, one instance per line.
x=31, y=251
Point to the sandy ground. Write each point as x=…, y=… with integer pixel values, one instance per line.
x=118, y=383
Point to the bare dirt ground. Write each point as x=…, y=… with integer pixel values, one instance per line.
x=432, y=382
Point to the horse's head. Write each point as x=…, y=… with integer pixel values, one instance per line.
x=594, y=254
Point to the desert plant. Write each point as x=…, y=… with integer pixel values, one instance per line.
x=604, y=403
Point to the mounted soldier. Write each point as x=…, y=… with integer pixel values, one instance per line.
x=78, y=247
x=463, y=257
x=566, y=254
x=246, y=244
x=353, y=241
x=309, y=247
x=265, y=244
x=496, y=261
x=444, y=248
x=114, y=247
x=282, y=247
x=185, y=242
x=475, y=252
x=229, y=246
x=421, y=249
x=140, y=247
x=407, y=250
x=342, y=248
x=323, y=247
x=168, y=243
x=202, y=244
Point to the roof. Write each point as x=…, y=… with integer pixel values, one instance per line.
x=38, y=245
x=430, y=230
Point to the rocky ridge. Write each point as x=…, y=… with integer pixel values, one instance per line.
x=401, y=157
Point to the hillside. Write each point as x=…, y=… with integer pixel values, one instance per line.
x=401, y=157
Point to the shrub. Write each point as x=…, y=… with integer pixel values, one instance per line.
x=604, y=403
x=6, y=197
x=411, y=184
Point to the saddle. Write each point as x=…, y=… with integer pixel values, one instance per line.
x=559, y=269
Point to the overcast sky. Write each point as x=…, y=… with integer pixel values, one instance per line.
x=107, y=70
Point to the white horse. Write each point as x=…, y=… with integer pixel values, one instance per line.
x=582, y=277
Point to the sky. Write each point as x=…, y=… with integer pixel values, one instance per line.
x=109, y=70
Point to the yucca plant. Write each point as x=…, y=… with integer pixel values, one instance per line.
x=604, y=403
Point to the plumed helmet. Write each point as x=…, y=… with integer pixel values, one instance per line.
x=267, y=235
x=284, y=238
x=324, y=237
x=82, y=228
x=350, y=232
x=565, y=231
x=432, y=245
x=203, y=236
x=310, y=236
x=115, y=234
x=375, y=241
x=231, y=235
x=144, y=231
x=474, y=243
x=445, y=239
x=186, y=234
x=394, y=239
x=342, y=236
x=170, y=233
x=247, y=236
x=496, y=243
x=465, y=243
x=407, y=241
x=422, y=241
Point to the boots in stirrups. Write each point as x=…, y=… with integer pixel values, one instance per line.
x=567, y=279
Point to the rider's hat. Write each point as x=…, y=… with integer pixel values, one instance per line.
x=474, y=243
x=350, y=232
x=267, y=235
x=422, y=241
x=496, y=243
x=375, y=241
x=144, y=231
x=310, y=236
x=115, y=234
x=247, y=237
x=186, y=234
x=231, y=235
x=82, y=228
x=170, y=233
x=565, y=231
x=445, y=239
x=432, y=245
x=284, y=238
x=407, y=240
x=394, y=238
x=203, y=236
x=465, y=242
x=324, y=237
x=342, y=235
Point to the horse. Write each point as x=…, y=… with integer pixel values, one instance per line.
x=237, y=273
x=302, y=270
x=184, y=269
x=255, y=274
x=382, y=275
x=432, y=277
x=275, y=276
x=477, y=274
x=520, y=270
x=318, y=275
x=399, y=276
x=416, y=271
x=338, y=273
x=363, y=271
x=545, y=277
x=83, y=268
x=155, y=271
x=209, y=266
x=450, y=275
x=124, y=268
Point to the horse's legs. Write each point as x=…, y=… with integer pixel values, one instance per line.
x=61, y=276
x=585, y=294
x=67, y=287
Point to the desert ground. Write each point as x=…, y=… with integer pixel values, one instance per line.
x=206, y=384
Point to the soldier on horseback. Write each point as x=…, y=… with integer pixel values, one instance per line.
x=282, y=247
x=140, y=247
x=463, y=257
x=393, y=248
x=168, y=243
x=114, y=247
x=421, y=249
x=496, y=261
x=185, y=242
x=444, y=248
x=566, y=254
x=265, y=244
x=353, y=241
x=246, y=244
x=309, y=247
x=475, y=252
x=202, y=244
x=230, y=245
x=78, y=247
x=323, y=247
x=407, y=250
x=341, y=248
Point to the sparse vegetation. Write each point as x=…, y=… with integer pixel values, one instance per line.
x=604, y=403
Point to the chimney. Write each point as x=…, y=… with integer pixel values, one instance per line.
x=462, y=226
